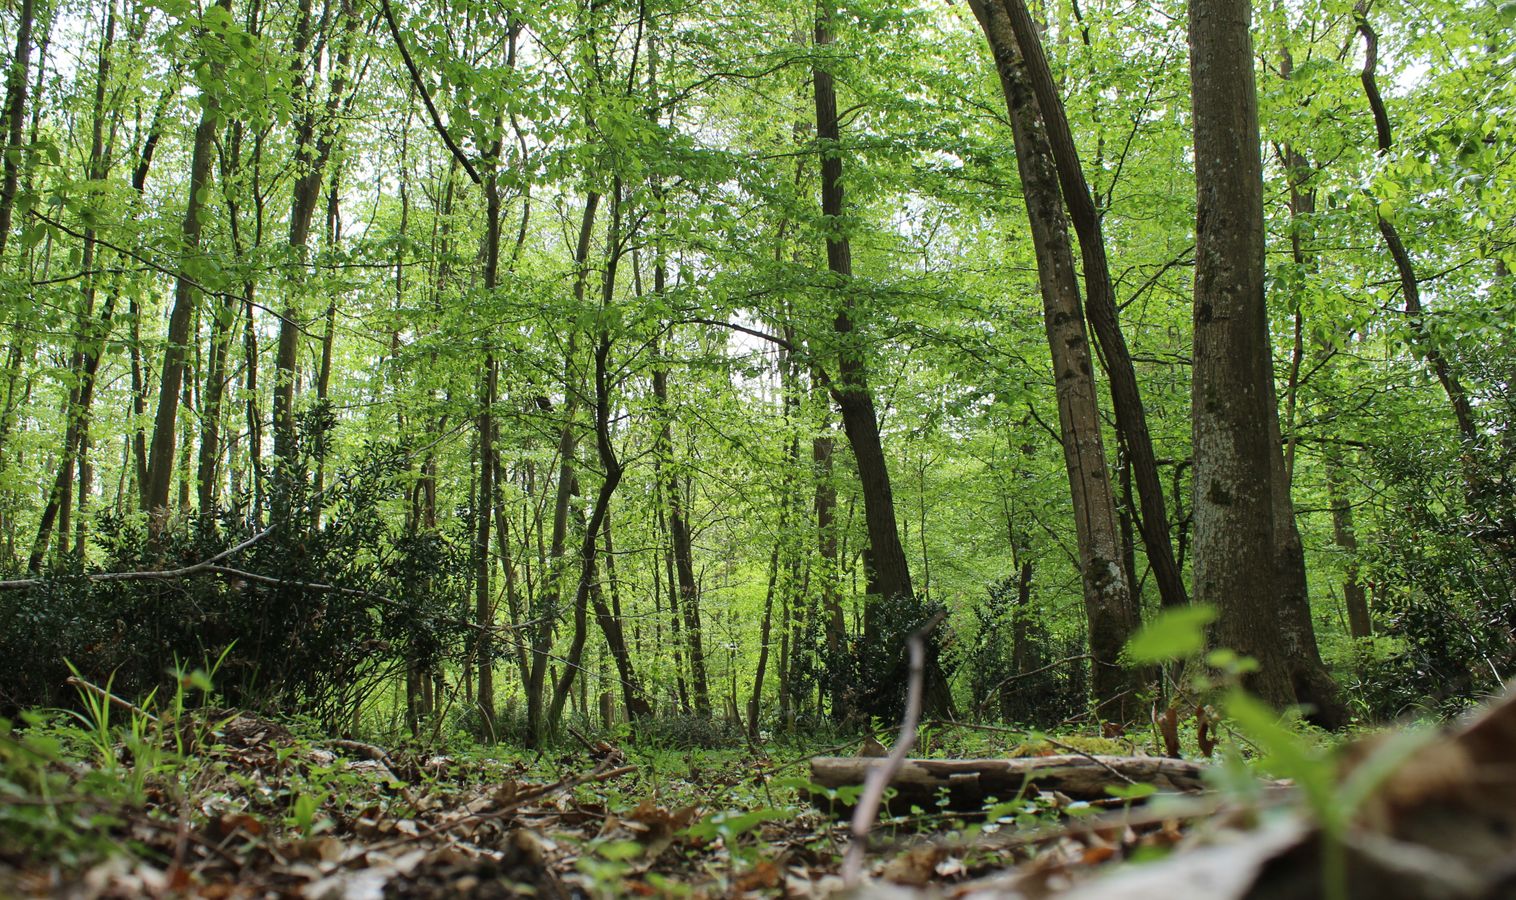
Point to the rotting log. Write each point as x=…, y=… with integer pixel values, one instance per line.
x=969, y=783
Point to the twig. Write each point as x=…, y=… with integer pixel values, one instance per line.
x=598, y=774
x=99, y=691
x=205, y=565
x=879, y=778
x=1094, y=759
x=1020, y=675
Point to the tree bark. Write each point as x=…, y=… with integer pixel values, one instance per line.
x=1109, y=608
x=1100, y=309
x=186, y=295
x=1247, y=555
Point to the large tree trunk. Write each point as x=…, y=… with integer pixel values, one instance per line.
x=1109, y=608
x=1247, y=559
x=1101, y=310
x=186, y=294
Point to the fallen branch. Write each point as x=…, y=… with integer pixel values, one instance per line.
x=112, y=699
x=204, y=566
x=970, y=782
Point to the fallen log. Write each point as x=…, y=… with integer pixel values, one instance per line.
x=969, y=783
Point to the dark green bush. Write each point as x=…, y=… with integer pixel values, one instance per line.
x=314, y=616
x=1012, y=662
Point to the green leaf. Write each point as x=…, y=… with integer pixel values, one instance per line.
x=1174, y=634
x=1136, y=791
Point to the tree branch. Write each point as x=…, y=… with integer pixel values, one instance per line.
x=426, y=96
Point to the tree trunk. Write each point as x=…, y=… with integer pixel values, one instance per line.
x=1360, y=621
x=825, y=504
x=1109, y=608
x=15, y=116
x=680, y=540
x=889, y=571
x=608, y=461
x=551, y=592
x=315, y=136
x=1458, y=397
x=609, y=618
x=1245, y=559
x=186, y=294
x=765, y=630
x=484, y=601
x=1101, y=310
x=89, y=342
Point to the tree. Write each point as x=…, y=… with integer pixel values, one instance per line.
x=1248, y=558
x=160, y=471
x=1109, y=608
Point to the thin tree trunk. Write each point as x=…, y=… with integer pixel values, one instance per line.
x=1109, y=607
x=825, y=505
x=688, y=591
x=609, y=618
x=755, y=703
x=15, y=119
x=1410, y=289
x=1101, y=310
x=186, y=294
x=484, y=610
x=609, y=463
x=1360, y=620
x=889, y=570
x=303, y=198
x=547, y=612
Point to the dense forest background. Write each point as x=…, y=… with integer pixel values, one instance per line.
x=461, y=363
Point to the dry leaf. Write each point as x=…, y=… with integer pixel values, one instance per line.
x=1168, y=726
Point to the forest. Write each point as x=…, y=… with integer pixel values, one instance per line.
x=465, y=449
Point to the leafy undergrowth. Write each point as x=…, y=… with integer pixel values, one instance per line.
x=222, y=803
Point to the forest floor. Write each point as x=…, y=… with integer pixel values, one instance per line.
x=228, y=804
